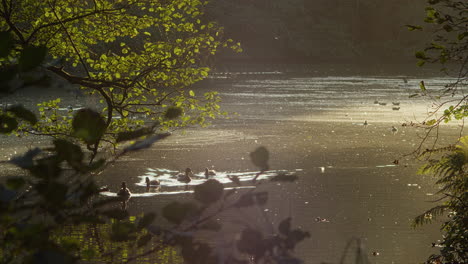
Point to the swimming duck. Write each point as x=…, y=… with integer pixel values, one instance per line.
x=151, y=183
x=209, y=173
x=187, y=177
x=125, y=194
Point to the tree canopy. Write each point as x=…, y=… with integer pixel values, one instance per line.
x=138, y=56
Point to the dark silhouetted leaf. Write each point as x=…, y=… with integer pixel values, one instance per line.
x=211, y=225
x=88, y=125
x=6, y=43
x=284, y=178
x=176, y=212
x=197, y=253
x=251, y=242
x=52, y=256
x=142, y=241
x=7, y=73
x=26, y=161
x=68, y=151
x=173, y=112
x=15, y=183
x=97, y=164
x=209, y=191
x=122, y=231
x=285, y=226
x=296, y=236
x=31, y=57
x=260, y=158
x=116, y=213
x=235, y=179
x=261, y=197
x=7, y=124
x=245, y=200
x=52, y=192
x=23, y=113
x=146, y=143
x=130, y=135
x=146, y=220
x=6, y=195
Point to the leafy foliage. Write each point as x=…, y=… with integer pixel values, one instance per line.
x=35, y=209
x=449, y=48
x=138, y=56
x=452, y=176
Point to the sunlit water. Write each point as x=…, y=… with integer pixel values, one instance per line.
x=334, y=133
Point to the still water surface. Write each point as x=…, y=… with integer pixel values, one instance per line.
x=348, y=187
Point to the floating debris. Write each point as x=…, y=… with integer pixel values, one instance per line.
x=321, y=220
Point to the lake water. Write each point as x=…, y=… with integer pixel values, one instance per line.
x=334, y=133
x=348, y=187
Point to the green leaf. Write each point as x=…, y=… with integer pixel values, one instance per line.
x=422, y=86
x=260, y=158
x=192, y=93
x=31, y=57
x=6, y=43
x=420, y=55
x=412, y=28
x=209, y=191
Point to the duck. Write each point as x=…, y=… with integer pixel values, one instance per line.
x=209, y=173
x=185, y=177
x=151, y=183
x=124, y=194
x=396, y=103
x=365, y=123
x=394, y=130
x=381, y=103
x=395, y=108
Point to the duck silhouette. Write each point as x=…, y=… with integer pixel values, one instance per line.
x=124, y=194
x=209, y=173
